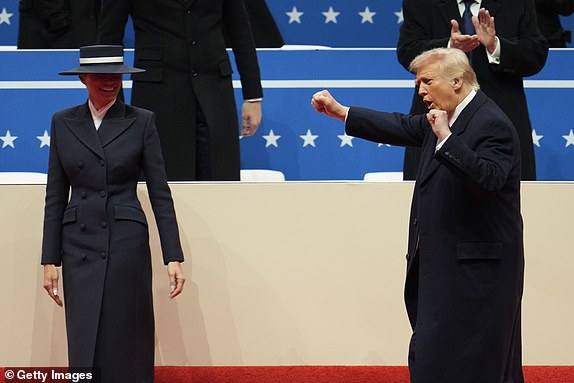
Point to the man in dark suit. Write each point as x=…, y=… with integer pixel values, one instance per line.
x=187, y=82
x=56, y=24
x=502, y=52
x=548, y=13
x=465, y=262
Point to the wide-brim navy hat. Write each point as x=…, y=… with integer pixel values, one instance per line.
x=104, y=59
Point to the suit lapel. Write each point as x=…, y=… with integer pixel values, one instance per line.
x=491, y=6
x=82, y=127
x=114, y=123
x=449, y=10
x=430, y=164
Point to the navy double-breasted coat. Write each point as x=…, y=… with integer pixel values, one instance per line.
x=465, y=261
x=95, y=227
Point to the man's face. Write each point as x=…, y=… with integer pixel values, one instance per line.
x=436, y=90
x=102, y=88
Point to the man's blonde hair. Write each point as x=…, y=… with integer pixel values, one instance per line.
x=453, y=63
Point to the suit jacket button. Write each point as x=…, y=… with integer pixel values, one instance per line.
x=80, y=164
x=83, y=195
x=415, y=221
x=84, y=256
x=102, y=194
x=103, y=254
x=83, y=226
x=102, y=162
x=103, y=224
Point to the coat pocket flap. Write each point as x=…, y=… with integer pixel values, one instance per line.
x=130, y=213
x=487, y=250
x=69, y=215
x=152, y=54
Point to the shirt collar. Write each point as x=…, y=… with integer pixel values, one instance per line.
x=460, y=107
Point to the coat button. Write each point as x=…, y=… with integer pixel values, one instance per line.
x=103, y=255
x=83, y=226
x=415, y=221
x=102, y=193
x=103, y=224
x=83, y=195
x=84, y=256
x=80, y=164
x=102, y=162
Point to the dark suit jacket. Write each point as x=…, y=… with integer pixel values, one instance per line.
x=51, y=24
x=181, y=45
x=99, y=235
x=548, y=13
x=465, y=256
x=523, y=53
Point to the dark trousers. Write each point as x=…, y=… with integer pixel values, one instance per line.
x=203, y=147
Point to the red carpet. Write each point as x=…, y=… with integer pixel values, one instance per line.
x=327, y=374
x=317, y=374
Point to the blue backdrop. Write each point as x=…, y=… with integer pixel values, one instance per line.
x=293, y=138
x=334, y=23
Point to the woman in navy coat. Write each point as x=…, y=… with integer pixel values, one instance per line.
x=98, y=232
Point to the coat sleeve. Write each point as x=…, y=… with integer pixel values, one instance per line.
x=238, y=28
x=486, y=167
x=57, y=193
x=113, y=19
x=525, y=53
x=388, y=128
x=160, y=194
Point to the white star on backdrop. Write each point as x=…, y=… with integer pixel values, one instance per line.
x=5, y=17
x=271, y=139
x=367, y=16
x=569, y=139
x=387, y=145
x=346, y=140
x=8, y=140
x=400, y=17
x=44, y=140
x=309, y=139
x=294, y=16
x=536, y=138
x=331, y=16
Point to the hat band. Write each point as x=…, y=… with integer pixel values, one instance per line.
x=101, y=60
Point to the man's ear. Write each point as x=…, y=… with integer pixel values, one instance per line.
x=456, y=83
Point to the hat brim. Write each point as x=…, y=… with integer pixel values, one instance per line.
x=102, y=69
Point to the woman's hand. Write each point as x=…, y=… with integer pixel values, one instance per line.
x=51, y=277
x=176, y=279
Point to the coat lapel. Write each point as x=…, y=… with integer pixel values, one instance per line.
x=449, y=10
x=82, y=127
x=430, y=164
x=114, y=123
x=491, y=6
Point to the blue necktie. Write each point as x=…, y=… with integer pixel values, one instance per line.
x=468, y=28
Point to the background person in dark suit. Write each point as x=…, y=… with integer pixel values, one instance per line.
x=99, y=233
x=520, y=51
x=549, y=12
x=465, y=262
x=57, y=24
x=187, y=82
